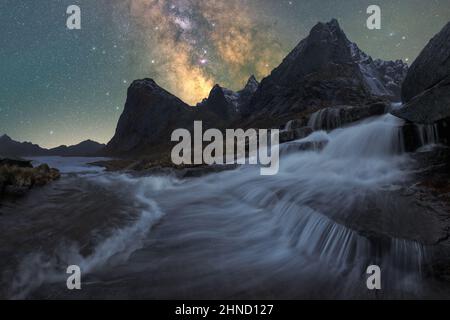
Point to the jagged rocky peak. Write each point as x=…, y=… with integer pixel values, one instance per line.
x=252, y=85
x=324, y=70
x=220, y=101
x=225, y=102
x=327, y=44
x=217, y=92
x=217, y=95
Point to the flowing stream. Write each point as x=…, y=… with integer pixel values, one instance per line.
x=309, y=232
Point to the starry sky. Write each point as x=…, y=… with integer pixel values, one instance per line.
x=61, y=86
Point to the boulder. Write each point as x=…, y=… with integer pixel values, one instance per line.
x=429, y=106
x=426, y=89
x=431, y=67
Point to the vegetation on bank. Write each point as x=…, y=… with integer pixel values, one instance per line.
x=19, y=176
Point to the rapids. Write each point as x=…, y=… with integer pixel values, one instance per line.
x=308, y=232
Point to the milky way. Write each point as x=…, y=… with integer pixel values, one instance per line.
x=61, y=86
x=192, y=44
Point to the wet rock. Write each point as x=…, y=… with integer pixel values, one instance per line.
x=335, y=117
x=416, y=136
x=429, y=106
x=443, y=128
x=295, y=134
x=296, y=124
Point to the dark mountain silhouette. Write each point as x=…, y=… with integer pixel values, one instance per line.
x=324, y=70
x=151, y=114
x=12, y=148
x=85, y=148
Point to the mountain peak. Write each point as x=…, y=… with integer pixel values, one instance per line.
x=5, y=137
x=328, y=33
x=331, y=26
x=333, y=23
x=252, y=83
x=216, y=89
x=145, y=83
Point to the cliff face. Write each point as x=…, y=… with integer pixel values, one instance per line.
x=426, y=89
x=431, y=66
x=149, y=113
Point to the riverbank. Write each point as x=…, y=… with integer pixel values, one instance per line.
x=17, y=176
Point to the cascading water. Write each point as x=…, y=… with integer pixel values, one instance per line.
x=310, y=231
x=325, y=119
x=428, y=134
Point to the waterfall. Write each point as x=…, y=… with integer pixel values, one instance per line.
x=427, y=134
x=325, y=119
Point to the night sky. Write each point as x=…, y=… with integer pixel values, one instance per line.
x=60, y=86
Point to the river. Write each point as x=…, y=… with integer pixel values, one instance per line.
x=309, y=232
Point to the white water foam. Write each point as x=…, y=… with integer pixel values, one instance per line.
x=39, y=268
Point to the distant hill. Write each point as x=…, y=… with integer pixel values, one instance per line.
x=10, y=147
